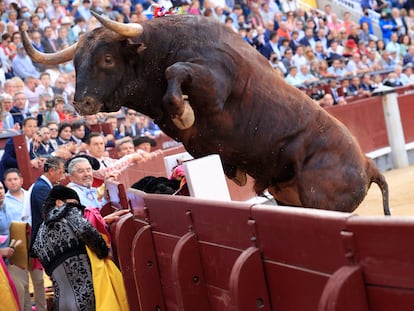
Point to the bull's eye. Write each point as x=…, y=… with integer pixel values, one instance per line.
x=108, y=60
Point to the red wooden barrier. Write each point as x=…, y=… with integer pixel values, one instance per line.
x=189, y=254
x=116, y=194
x=405, y=102
x=95, y=127
x=164, y=142
x=365, y=120
x=180, y=253
x=29, y=173
x=104, y=128
x=122, y=235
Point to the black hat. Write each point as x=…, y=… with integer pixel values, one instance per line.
x=143, y=182
x=62, y=193
x=93, y=161
x=161, y=185
x=144, y=139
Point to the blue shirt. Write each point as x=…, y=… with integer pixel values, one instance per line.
x=386, y=30
x=14, y=206
x=88, y=196
x=23, y=67
x=5, y=221
x=293, y=80
x=368, y=20
x=339, y=72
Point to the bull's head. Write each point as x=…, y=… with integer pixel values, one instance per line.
x=85, y=102
x=103, y=69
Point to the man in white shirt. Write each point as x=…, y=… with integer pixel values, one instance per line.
x=299, y=57
x=81, y=178
x=305, y=76
x=292, y=78
x=6, y=101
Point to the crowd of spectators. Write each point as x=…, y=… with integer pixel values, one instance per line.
x=325, y=55
x=318, y=47
x=329, y=57
x=304, y=46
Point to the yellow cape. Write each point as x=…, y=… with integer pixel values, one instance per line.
x=110, y=294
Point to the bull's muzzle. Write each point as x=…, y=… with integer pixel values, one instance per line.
x=87, y=106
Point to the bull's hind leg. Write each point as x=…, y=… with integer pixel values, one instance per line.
x=339, y=192
x=187, y=84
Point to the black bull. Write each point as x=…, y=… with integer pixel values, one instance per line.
x=207, y=88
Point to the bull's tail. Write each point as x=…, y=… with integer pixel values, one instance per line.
x=379, y=179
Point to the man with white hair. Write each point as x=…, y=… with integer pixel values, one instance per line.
x=399, y=21
x=6, y=101
x=393, y=47
x=81, y=178
x=304, y=75
x=401, y=76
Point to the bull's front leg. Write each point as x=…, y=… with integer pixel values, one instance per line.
x=175, y=101
x=196, y=79
x=210, y=84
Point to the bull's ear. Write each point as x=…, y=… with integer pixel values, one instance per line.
x=139, y=47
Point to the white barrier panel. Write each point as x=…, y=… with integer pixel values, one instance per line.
x=205, y=178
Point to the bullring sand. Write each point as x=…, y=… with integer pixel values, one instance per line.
x=401, y=189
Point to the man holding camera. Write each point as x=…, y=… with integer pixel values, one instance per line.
x=54, y=110
x=41, y=145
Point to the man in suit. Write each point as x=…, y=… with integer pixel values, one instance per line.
x=409, y=57
x=54, y=172
x=131, y=126
x=333, y=89
x=47, y=40
x=398, y=20
x=271, y=47
x=9, y=159
x=18, y=110
x=308, y=39
x=62, y=39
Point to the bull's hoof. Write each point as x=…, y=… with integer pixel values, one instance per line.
x=240, y=179
x=187, y=118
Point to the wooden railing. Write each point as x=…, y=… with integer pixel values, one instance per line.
x=181, y=253
x=29, y=173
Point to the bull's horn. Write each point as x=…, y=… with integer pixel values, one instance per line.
x=126, y=30
x=59, y=57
